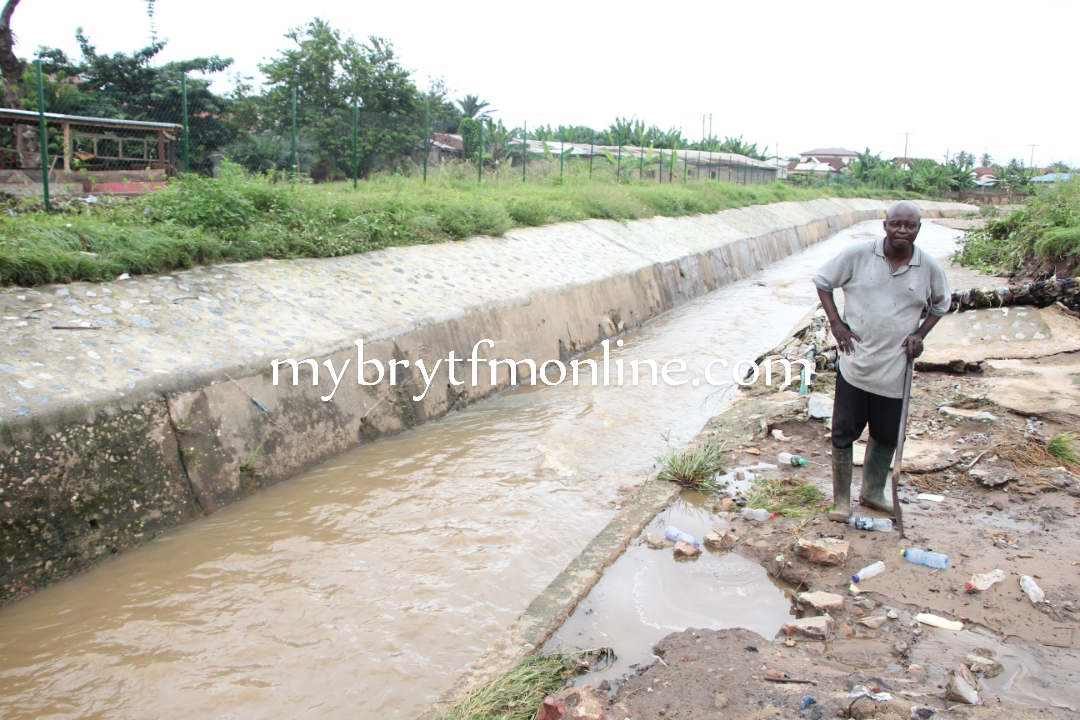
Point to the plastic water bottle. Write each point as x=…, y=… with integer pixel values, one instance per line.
x=785, y=458
x=923, y=557
x=756, y=514
x=1034, y=592
x=864, y=522
x=985, y=580
x=674, y=534
x=868, y=572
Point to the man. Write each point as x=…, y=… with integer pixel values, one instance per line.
x=894, y=294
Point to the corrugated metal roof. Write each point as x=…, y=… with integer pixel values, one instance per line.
x=830, y=151
x=30, y=115
x=1052, y=177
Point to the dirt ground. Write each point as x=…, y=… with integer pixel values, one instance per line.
x=1007, y=504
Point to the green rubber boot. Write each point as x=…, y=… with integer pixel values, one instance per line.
x=875, y=473
x=841, y=484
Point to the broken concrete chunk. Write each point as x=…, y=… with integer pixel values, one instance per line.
x=656, y=541
x=581, y=703
x=987, y=478
x=964, y=414
x=685, y=549
x=874, y=622
x=820, y=601
x=987, y=667
x=720, y=701
x=819, y=406
x=824, y=551
x=815, y=627
x=962, y=686
x=722, y=540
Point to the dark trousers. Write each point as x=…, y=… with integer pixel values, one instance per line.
x=854, y=408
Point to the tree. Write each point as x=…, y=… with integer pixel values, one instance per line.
x=965, y=159
x=329, y=73
x=739, y=146
x=11, y=67
x=473, y=107
x=985, y=160
x=444, y=115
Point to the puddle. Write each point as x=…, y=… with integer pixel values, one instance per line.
x=1005, y=522
x=646, y=594
x=1035, y=674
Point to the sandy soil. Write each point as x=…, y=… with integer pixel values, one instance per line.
x=1007, y=505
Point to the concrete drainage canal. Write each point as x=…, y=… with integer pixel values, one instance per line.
x=364, y=587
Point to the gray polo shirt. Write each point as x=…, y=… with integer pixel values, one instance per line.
x=882, y=307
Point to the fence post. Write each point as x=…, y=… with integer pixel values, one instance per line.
x=183, y=101
x=618, y=165
x=524, y=148
x=480, y=153
x=43, y=138
x=562, y=151
x=661, y=173
x=356, y=142
x=427, y=135
x=592, y=145
x=295, y=164
x=641, y=153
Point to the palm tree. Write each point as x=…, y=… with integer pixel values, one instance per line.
x=473, y=107
x=985, y=160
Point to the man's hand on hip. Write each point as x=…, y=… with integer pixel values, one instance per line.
x=844, y=337
x=913, y=345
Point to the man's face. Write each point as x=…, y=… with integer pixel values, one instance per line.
x=902, y=227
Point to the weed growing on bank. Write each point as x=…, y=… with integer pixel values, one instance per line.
x=517, y=695
x=1040, y=237
x=1063, y=447
x=695, y=469
x=790, y=497
x=238, y=217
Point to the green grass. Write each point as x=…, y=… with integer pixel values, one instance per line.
x=1041, y=236
x=692, y=468
x=517, y=694
x=1063, y=447
x=790, y=497
x=237, y=217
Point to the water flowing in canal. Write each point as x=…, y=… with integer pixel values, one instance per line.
x=362, y=588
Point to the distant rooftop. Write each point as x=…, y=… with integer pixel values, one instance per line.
x=841, y=152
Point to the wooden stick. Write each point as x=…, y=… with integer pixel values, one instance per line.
x=899, y=459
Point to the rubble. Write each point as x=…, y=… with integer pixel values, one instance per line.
x=824, y=551
x=987, y=667
x=816, y=628
x=962, y=686
x=582, y=703
x=686, y=550
x=722, y=540
x=820, y=601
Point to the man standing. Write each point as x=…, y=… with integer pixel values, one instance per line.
x=894, y=294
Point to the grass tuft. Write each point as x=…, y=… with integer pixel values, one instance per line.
x=1063, y=447
x=517, y=694
x=789, y=496
x=693, y=469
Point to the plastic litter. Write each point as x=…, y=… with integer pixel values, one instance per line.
x=674, y=534
x=930, y=496
x=985, y=580
x=868, y=572
x=756, y=514
x=938, y=622
x=1034, y=592
x=785, y=458
x=923, y=557
x=862, y=691
x=807, y=702
x=865, y=522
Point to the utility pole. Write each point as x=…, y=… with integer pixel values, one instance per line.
x=905, y=146
x=1031, y=163
x=703, y=135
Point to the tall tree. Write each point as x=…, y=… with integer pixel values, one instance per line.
x=11, y=67
x=473, y=107
x=329, y=72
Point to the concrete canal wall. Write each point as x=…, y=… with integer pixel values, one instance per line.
x=164, y=408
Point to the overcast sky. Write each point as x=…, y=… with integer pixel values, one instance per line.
x=958, y=75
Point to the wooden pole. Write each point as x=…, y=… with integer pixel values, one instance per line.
x=899, y=459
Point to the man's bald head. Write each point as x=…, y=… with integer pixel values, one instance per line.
x=904, y=208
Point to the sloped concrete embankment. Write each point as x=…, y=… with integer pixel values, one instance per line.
x=164, y=408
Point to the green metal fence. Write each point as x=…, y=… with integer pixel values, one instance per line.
x=136, y=143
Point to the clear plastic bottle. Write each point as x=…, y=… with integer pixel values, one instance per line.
x=924, y=557
x=756, y=514
x=985, y=580
x=785, y=458
x=868, y=572
x=674, y=534
x=1034, y=592
x=863, y=522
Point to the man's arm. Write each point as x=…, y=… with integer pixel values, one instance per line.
x=913, y=343
x=840, y=330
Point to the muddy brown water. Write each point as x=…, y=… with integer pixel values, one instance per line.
x=362, y=588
